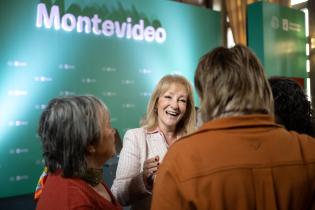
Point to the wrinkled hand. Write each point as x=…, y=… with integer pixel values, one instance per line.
x=150, y=168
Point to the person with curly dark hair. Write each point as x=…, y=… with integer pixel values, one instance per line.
x=292, y=107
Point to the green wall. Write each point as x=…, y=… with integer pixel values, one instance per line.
x=277, y=36
x=38, y=63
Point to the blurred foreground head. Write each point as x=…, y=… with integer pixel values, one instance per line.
x=231, y=82
x=76, y=134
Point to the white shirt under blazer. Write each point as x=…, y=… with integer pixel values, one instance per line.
x=128, y=186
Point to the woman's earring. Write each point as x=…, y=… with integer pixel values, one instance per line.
x=91, y=149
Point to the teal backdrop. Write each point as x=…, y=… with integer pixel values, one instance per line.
x=277, y=36
x=40, y=59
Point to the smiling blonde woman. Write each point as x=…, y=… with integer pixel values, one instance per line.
x=170, y=115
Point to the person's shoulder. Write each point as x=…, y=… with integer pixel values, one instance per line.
x=140, y=129
x=308, y=138
x=302, y=137
x=55, y=179
x=134, y=132
x=307, y=144
x=135, y=135
x=182, y=158
x=80, y=190
x=190, y=138
x=184, y=145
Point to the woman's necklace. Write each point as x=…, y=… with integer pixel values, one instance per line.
x=93, y=176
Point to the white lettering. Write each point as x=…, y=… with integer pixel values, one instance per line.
x=108, y=28
x=120, y=29
x=149, y=34
x=126, y=29
x=42, y=14
x=68, y=22
x=84, y=21
x=128, y=36
x=160, y=35
x=96, y=21
x=137, y=31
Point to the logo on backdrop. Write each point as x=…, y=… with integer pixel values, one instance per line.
x=286, y=25
x=68, y=22
x=275, y=22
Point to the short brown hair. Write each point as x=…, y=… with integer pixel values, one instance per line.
x=232, y=80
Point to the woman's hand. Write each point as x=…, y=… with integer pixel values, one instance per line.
x=150, y=168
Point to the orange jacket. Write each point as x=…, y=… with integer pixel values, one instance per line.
x=238, y=163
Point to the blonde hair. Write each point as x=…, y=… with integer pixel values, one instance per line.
x=187, y=123
x=232, y=81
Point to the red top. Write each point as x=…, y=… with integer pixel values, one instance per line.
x=72, y=193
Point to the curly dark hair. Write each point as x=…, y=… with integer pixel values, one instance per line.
x=292, y=108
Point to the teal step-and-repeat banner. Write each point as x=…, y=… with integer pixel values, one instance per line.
x=277, y=36
x=116, y=50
